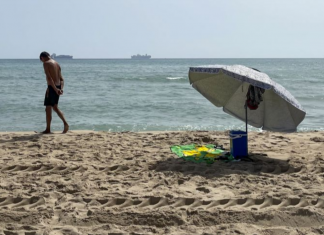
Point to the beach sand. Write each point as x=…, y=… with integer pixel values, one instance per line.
x=88, y=182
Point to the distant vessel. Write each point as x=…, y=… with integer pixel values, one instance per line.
x=54, y=56
x=140, y=57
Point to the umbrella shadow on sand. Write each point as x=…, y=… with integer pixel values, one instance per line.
x=256, y=164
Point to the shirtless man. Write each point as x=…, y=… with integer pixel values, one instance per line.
x=55, y=84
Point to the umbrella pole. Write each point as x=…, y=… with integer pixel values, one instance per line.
x=246, y=126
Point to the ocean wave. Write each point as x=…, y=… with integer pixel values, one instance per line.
x=175, y=78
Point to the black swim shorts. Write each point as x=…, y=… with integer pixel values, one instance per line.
x=51, y=98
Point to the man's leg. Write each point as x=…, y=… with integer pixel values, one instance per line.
x=48, y=119
x=60, y=114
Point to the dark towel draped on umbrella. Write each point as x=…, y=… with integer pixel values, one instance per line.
x=254, y=97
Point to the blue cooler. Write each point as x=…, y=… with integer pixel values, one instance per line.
x=239, y=145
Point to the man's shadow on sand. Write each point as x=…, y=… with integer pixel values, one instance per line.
x=255, y=164
x=26, y=137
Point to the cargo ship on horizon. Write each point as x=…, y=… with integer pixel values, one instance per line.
x=54, y=56
x=140, y=57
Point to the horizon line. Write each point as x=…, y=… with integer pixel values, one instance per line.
x=162, y=58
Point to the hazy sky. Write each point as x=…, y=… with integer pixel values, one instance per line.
x=163, y=29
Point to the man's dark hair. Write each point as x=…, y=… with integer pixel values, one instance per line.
x=44, y=54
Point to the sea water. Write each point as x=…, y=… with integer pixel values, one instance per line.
x=143, y=95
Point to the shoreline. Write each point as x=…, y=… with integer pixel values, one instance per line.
x=176, y=131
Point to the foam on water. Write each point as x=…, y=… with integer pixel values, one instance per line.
x=175, y=78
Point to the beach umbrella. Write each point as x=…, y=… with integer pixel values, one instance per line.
x=248, y=95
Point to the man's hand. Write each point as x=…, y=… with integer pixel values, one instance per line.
x=59, y=92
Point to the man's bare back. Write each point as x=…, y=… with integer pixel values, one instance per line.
x=53, y=71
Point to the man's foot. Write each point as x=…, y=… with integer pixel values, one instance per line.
x=66, y=128
x=46, y=132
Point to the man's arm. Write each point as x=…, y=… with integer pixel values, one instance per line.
x=61, y=78
x=49, y=78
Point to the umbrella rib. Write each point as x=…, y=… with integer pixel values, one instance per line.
x=287, y=104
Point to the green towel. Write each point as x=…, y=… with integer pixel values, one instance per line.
x=200, y=153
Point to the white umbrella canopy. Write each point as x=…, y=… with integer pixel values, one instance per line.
x=227, y=87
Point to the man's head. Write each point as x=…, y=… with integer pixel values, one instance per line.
x=44, y=56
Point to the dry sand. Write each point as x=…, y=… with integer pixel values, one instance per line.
x=130, y=183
